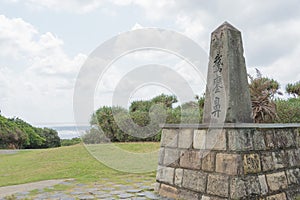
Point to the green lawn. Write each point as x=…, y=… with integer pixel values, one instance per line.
x=76, y=162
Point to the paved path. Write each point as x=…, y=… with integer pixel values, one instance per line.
x=72, y=190
x=9, y=190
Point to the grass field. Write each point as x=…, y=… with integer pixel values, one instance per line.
x=76, y=162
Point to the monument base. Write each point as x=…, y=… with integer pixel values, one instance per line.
x=229, y=161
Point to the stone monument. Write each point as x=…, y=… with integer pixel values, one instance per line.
x=228, y=156
x=227, y=91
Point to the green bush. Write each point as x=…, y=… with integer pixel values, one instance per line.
x=16, y=133
x=288, y=111
x=141, y=121
x=70, y=142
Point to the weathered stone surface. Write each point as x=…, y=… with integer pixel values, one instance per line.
x=169, y=138
x=240, y=139
x=216, y=139
x=269, y=139
x=229, y=163
x=227, y=96
x=165, y=174
x=185, y=139
x=157, y=187
x=277, y=181
x=190, y=159
x=194, y=180
x=168, y=191
x=186, y=194
x=280, y=196
x=263, y=184
x=280, y=159
x=252, y=185
x=258, y=140
x=217, y=185
x=199, y=139
x=284, y=138
x=171, y=157
x=178, y=177
x=297, y=133
x=161, y=156
x=294, y=157
x=212, y=139
x=208, y=161
x=251, y=163
x=267, y=161
x=293, y=176
x=237, y=188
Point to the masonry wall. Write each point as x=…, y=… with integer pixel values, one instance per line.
x=229, y=163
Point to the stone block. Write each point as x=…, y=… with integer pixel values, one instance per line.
x=199, y=139
x=277, y=181
x=237, y=188
x=280, y=159
x=267, y=161
x=294, y=157
x=194, y=180
x=293, y=176
x=240, y=139
x=190, y=159
x=157, y=187
x=258, y=140
x=252, y=186
x=208, y=161
x=187, y=194
x=215, y=139
x=280, y=196
x=229, y=163
x=185, y=139
x=218, y=185
x=161, y=156
x=269, y=139
x=168, y=191
x=263, y=184
x=251, y=163
x=178, y=177
x=297, y=133
x=169, y=138
x=171, y=157
x=165, y=174
x=284, y=138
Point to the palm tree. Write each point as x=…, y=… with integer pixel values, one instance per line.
x=293, y=89
x=262, y=91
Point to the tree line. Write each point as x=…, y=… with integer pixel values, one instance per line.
x=18, y=134
x=267, y=107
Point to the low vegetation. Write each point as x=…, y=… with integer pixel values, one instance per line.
x=68, y=162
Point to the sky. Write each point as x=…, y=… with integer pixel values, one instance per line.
x=45, y=43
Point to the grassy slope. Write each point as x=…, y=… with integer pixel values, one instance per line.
x=67, y=162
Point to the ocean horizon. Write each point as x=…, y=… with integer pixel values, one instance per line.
x=69, y=131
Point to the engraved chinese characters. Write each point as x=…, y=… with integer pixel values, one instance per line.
x=227, y=97
x=217, y=86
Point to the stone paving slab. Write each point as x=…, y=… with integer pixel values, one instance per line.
x=45, y=190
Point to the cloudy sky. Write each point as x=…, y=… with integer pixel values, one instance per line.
x=44, y=44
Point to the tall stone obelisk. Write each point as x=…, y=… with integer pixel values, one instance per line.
x=227, y=97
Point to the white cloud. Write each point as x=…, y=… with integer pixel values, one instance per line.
x=77, y=6
x=39, y=75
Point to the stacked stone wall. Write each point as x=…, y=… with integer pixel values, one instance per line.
x=229, y=163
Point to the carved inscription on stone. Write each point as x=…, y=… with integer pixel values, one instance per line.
x=251, y=163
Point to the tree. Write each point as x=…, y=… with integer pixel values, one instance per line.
x=262, y=91
x=293, y=89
